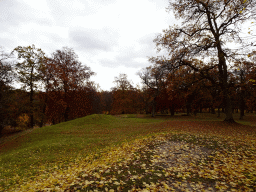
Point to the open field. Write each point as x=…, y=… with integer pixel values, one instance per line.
x=132, y=152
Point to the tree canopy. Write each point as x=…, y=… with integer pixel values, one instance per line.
x=69, y=71
x=30, y=61
x=207, y=28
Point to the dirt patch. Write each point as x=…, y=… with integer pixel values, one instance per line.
x=180, y=156
x=171, y=153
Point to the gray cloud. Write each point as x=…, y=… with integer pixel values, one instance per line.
x=134, y=57
x=103, y=33
x=147, y=39
x=12, y=13
x=128, y=57
x=64, y=11
x=15, y=13
x=93, y=39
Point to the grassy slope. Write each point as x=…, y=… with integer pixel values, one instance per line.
x=62, y=143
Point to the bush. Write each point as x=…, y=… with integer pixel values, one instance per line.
x=23, y=121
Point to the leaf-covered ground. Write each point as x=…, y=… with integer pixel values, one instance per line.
x=168, y=162
x=179, y=156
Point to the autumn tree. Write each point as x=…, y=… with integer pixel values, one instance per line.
x=253, y=60
x=17, y=108
x=106, y=98
x=153, y=78
x=206, y=29
x=146, y=98
x=30, y=61
x=125, y=98
x=185, y=83
x=47, y=73
x=242, y=69
x=6, y=79
x=121, y=101
x=249, y=85
x=95, y=98
x=175, y=95
x=68, y=74
x=122, y=82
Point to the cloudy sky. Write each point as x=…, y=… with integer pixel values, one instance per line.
x=110, y=36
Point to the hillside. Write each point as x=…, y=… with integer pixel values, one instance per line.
x=107, y=152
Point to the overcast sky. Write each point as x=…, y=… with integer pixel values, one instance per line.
x=110, y=36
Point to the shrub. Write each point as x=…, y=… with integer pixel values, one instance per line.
x=22, y=122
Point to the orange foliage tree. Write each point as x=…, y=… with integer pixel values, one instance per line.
x=106, y=100
x=205, y=27
x=67, y=87
x=153, y=78
x=250, y=86
x=126, y=99
x=182, y=88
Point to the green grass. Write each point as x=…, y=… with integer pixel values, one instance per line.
x=207, y=117
x=61, y=144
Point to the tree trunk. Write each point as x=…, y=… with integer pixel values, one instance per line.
x=67, y=109
x=241, y=114
x=31, y=108
x=228, y=109
x=195, y=112
x=223, y=74
x=172, y=110
x=188, y=109
x=1, y=112
x=154, y=107
x=1, y=128
x=242, y=105
x=43, y=117
x=213, y=110
x=66, y=114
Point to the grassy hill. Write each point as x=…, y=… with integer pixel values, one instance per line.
x=71, y=147
x=64, y=142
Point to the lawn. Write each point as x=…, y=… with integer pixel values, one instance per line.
x=133, y=152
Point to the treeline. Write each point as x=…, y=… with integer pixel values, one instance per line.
x=58, y=88
x=183, y=90
x=54, y=89
x=187, y=90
